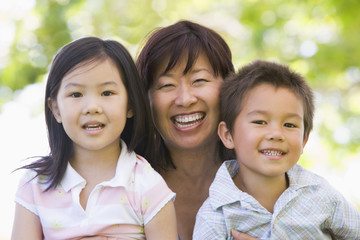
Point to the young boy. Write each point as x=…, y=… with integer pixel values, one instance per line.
x=267, y=114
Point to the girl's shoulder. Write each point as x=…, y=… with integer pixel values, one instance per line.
x=30, y=176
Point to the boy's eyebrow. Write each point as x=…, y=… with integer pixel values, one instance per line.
x=290, y=114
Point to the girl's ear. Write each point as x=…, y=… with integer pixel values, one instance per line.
x=225, y=135
x=52, y=104
x=129, y=113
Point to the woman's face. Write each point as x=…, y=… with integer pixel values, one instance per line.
x=185, y=108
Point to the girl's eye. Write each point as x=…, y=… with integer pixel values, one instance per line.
x=107, y=93
x=260, y=122
x=290, y=125
x=76, y=95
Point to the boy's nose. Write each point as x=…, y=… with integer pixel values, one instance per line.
x=275, y=134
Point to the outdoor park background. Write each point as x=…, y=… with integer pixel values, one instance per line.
x=319, y=39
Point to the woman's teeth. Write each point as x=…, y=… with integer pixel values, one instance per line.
x=183, y=121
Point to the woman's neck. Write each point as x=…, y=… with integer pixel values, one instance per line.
x=195, y=162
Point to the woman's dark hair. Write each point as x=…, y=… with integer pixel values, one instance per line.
x=165, y=47
x=137, y=130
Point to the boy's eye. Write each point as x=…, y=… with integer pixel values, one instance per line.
x=107, y=93
x=290, y=125
x=261, y=122
x=76, y=94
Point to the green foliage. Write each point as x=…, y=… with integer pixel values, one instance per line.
x=317, y=38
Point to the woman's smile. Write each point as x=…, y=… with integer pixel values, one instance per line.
x=188, y=120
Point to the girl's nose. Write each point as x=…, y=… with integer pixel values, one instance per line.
x=185, y=97
x=92, y=106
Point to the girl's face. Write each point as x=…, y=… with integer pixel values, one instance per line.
x=92, y=105
x=185, y=108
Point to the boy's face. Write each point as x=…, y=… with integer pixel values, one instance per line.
x=268, y=132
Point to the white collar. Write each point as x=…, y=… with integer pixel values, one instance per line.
x=124, y=168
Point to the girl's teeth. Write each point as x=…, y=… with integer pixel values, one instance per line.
x=94, y=127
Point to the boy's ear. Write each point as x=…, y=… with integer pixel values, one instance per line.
x=225, y=135
x=305, y=141
x=52, y=104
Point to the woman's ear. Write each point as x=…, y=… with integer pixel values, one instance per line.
x=52, y=104
x=225, y=135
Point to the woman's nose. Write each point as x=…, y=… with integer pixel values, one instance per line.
x=185, y=96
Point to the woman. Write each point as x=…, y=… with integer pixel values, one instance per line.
x=183, y=66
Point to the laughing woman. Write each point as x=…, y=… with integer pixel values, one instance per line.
x=183, y=66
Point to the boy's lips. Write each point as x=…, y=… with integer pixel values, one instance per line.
x=272, y=152
x=188, y=120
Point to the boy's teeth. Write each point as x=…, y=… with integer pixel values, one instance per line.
x=272, y=152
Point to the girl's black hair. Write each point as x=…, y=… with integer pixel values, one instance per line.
x=138, y=130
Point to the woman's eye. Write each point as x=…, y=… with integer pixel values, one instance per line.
x=76, y=94
x=107, y=93
x=199, y=81
x=165, y=86
x=290, y=125
x=260, y=122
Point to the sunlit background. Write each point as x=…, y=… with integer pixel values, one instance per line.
x=319, y=39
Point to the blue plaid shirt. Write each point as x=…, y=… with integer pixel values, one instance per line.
x=308, y=209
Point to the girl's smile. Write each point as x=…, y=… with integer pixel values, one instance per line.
x=92, y=105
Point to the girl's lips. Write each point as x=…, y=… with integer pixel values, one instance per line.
x=188, y=120
x=93, y=126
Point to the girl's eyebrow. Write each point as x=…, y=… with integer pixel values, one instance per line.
x=71, y=84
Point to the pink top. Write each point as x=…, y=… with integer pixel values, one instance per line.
x=118, y=208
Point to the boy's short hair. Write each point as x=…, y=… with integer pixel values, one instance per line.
x=238, y=85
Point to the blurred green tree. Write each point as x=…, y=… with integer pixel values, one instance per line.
x=316, y=38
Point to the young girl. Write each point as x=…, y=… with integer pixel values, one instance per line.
x=92, y=183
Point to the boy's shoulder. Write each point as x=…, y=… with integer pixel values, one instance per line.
x=223, y=188
x=305, y=180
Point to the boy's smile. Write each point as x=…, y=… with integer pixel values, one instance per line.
x=268, y=132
